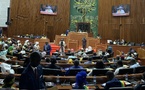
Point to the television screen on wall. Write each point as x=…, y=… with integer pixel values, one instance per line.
x=48, y=9
x=121, y=10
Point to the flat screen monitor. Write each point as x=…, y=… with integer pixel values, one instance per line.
x=121, y=10
x=48, y=9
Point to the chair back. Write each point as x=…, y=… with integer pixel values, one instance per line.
x=126, y=71
x=49, y=71
x=139, y=69
x=99, y=72
x=73, y=72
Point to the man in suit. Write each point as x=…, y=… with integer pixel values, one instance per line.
x=47, y=48
x=32, y=77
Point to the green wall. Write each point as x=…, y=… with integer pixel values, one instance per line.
x=84, y=11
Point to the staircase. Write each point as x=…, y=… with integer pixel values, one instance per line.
x=54, y=48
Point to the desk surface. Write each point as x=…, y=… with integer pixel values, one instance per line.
x=100, y=80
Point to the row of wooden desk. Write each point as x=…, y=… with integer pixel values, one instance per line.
x=63, y=65
x=64, y=86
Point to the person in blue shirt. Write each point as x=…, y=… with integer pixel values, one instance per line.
x=81, y=81
x=47, y=48
x=89, y=61
x=75, y=66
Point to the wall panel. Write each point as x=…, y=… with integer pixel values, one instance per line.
x=26, y=18
x=130, y=28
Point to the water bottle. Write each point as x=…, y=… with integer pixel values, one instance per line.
x=126, y=77
x=57, y=79
x=94, y=80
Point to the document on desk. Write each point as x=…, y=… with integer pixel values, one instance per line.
x=1, y=81
x=126, y=83
x=103, y=85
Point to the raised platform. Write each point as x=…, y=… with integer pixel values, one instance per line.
x=54, y=47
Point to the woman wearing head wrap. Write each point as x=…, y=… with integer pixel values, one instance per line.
x=81, y=80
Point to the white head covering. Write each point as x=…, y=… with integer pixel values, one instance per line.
x=27, y=41
x=36, y=43
x=18, y=41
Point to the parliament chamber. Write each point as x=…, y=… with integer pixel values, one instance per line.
x=90, y=34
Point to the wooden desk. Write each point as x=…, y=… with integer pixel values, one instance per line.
x=99, y=79
x=63, y=65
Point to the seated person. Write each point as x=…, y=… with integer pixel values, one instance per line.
x=53, y=64
x=80, y=81
x=119, y=66
x=112, y=81
x=105, y=59
x=129, y=56
x=89, y=50
x=99, y=52
x=80, y=52
x=72, y=56
x=99, y=65
x=3, y=54
x=70, y=61
x=75, y=66
x=140, y=83
x=56, y=53
x=9, y=81
x=69, y=52
x=142, y=44
x=134, y=64
x=89, y=61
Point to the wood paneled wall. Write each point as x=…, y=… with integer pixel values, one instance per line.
x=25, y=18
x=130, y=28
